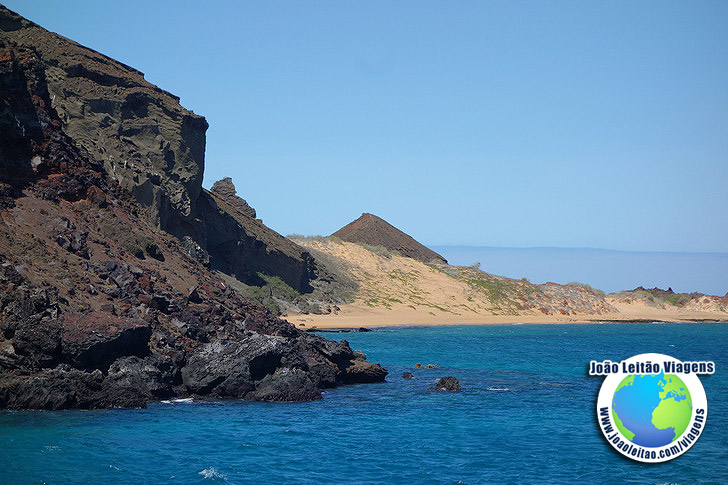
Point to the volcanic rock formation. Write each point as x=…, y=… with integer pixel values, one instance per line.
x=107, y=242
x=225, y=190
x=448, y=384
x=375, y=231
x=150, y=145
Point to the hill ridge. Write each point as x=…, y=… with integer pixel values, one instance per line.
x=375, y=231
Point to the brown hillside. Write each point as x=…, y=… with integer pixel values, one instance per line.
x=145, y=141
x=109, y=249
x=373, y=230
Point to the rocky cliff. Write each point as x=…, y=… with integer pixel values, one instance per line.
x=153, y=148
x=107, y=241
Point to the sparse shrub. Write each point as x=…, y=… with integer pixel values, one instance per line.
x=137, y=244
x=596, y=291
x=379, y=250
x=678, y=299
x=279, y=288
x=262, y=295
x=318, y=237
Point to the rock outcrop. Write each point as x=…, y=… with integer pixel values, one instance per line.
x=145, y=141
x=243, y=246
x=447, y=384
x=375, y=231
x=225, y=190
x=107, y=298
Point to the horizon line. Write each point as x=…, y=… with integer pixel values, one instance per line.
x=581, y=248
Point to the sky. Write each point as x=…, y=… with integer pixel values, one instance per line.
x=607, y=270
x=511, y=124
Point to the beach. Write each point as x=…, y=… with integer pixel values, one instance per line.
x=358, y=315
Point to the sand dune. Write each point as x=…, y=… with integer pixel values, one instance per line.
x=395, y=290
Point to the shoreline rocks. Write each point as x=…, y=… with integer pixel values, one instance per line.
x=446, y=384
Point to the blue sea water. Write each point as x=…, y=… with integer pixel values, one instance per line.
x=526, y=415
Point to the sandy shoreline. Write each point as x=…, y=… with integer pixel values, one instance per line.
x=355, y=316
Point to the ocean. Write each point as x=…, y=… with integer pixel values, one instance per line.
x=526, y=415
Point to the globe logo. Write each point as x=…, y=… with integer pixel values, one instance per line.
x=651, y=407
x=652, y=410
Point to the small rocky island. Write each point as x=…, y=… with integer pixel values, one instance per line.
x=119, y=273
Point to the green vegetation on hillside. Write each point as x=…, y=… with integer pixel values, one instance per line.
x=137, y=244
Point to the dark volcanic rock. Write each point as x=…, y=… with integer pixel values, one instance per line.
x=361, y=371
x=195, y=251
x=250, y=367
x=375, y=231
x=59, y=388
x=151, y=378
x=677, y=299
x=660, y=293
x=39, y=341
x=229, y=369
x=96, y=339
x=149, y=144
x=98, y=170
x=75, y=242
x=225, y=189
x=242, y=246
x=63, y=388
x=285, y=384
x=448, y=383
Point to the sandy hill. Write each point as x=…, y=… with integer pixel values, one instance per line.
x=395, y=290
x=375, y=231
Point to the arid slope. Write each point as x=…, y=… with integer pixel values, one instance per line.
x=397, y=290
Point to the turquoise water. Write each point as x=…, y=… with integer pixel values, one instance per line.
x=526, y=415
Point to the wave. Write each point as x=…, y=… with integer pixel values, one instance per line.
x=212, y=473
x=179, y=401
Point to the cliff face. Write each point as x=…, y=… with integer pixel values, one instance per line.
x=243, y=246
x=99, y=306
x=150, y=145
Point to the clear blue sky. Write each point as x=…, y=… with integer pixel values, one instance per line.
x=569, y=124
